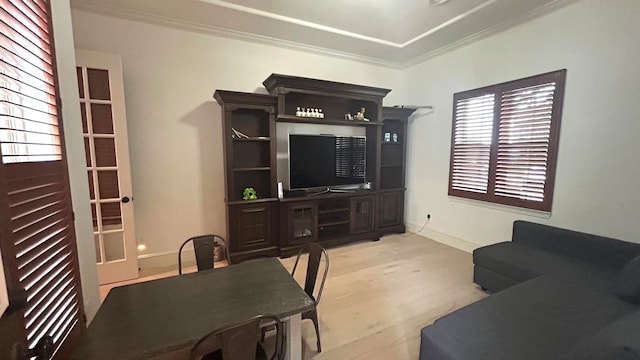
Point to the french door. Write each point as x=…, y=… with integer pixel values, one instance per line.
x=107, y=154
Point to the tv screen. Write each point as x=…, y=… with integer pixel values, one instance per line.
x=326, y=161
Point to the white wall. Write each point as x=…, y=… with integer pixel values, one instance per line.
x=598, y=170
x=174, y=124
x=65, y=57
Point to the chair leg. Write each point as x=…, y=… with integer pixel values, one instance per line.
x=314, y=317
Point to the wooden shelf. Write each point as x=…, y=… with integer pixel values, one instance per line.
x=390, y=165
x=331, y=211
x=333, y=223
x=256, y=201
x=305, y=120
x=261, y=168
x=391, y=143
x=257, y=138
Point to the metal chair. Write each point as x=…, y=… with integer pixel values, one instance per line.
x=316, y=252
x=239, y=342
x=203, y=246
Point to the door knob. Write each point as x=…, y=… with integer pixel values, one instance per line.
x=125, y=199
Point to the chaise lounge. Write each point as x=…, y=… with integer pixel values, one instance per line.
x=557, y=294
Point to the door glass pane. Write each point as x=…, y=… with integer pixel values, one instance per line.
x=105, y=152
x=94, y=217
x=101, y=119
x=80, y=82
x=108, y=184
x=98, y=84
x=87, y=151
x=111, y=216
x=113, y=246
x=96, y=241
x=92, y=194
x=83, y=112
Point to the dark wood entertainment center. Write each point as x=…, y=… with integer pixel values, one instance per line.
x=269, y=226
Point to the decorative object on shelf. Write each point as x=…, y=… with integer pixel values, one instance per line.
x=387, y=137
x=237, y=134
x=348, y=117
x=360, y=115
x=395, y=137
x=249, y=194
x=309, y=112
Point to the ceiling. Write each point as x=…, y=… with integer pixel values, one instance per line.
x=377, y=31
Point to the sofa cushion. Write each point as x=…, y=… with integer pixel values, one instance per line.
x=619, y=340
x=610, y=353
x=537, y=319
x=521, y=262
x=628, y=282
x=591, y=248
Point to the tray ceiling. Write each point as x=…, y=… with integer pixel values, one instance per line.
x=389, y=32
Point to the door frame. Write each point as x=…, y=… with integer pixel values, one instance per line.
x=109, y=272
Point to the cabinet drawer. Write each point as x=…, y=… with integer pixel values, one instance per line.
x=250, y=227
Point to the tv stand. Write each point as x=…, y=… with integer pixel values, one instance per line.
x=269, y=226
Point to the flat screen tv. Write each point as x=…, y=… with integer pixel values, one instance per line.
x=326, y=161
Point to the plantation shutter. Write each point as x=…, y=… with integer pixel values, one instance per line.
x=37, y=235
x=472, y=143
x=523, y=142
x=342, y=157
x=504, y=141
x=350, y=157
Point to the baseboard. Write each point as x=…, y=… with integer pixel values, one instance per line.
x=165, y=259
x=443, y=238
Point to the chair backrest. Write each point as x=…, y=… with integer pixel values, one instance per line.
x=316, y=252
x=239, y=341
x=203, y=246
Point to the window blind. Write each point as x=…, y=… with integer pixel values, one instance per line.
x=37, y=220
x=504, y=141
x=350, y=157
x=523, y=142
x=472, y=143
x=29, y=120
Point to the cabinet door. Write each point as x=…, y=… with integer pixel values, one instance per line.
x=301, y=222
x=250, y=227
x=362, y=214
x=391, y=209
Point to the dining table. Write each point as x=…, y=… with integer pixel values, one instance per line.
x=163, y=319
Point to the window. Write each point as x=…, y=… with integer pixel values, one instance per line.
x=505, y=141
x=37, y=236
x=350, y=157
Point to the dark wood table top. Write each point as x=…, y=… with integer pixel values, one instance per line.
x=142, y=320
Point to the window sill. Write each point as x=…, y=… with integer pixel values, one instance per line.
x=501, y=207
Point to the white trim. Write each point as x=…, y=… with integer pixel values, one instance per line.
x=304, y=23
x=443, y=238
x=227, y=33
x=502, y=207
x=141, y=16
x=162, y=253
x=490, y=31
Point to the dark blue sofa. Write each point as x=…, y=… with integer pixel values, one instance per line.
x=557, y=294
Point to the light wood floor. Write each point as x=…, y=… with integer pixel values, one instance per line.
x=378, y=296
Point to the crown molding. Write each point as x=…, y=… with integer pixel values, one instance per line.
x=154, y=19
x=488, y=32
